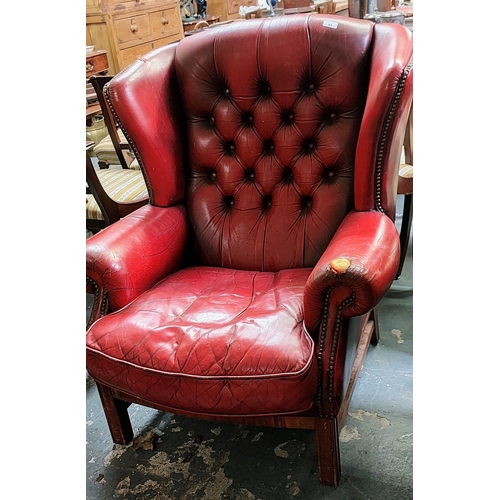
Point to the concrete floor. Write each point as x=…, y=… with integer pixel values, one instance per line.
x=178, y=458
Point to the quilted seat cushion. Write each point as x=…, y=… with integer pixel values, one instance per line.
x=123, y=186
x=210, y=338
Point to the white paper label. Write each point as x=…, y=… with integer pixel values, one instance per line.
x=330, y=24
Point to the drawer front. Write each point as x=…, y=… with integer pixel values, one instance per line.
x=233, y=6
x=161, y=42
x=130, y=29
x=96, y=64
x=117, y=5
x=165, y=22
x=128, y=56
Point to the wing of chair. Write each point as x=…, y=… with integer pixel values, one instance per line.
x=245, y=291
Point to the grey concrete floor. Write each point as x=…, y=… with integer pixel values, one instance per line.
x=179, y=458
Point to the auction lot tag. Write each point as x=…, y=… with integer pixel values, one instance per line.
x=330, y=24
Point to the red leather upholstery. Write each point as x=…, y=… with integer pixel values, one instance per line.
x=272, y=138
x=270, y=150
x=209, y=338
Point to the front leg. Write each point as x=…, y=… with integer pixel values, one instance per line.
x=117, y=416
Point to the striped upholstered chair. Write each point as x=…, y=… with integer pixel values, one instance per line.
x=113, y=149
x=405, y=188
x=112, y=194
x=107, y=156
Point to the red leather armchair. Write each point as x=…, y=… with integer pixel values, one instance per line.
x=246, y=290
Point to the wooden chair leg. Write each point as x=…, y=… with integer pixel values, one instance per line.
x=327, y=446
x=375, y=338
x=404, y=235
x=117, y=416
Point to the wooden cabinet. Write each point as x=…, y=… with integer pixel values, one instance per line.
x=129, y=29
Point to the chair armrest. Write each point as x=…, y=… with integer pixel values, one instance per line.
x=361, y=261
x=133, y=254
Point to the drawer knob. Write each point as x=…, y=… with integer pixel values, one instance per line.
x=90, y=66
x=133, y=26
x=164, y=20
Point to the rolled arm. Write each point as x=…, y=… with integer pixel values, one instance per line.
x=362, y=259
x=133, y=254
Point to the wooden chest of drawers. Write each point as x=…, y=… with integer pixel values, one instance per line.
x=130, y=29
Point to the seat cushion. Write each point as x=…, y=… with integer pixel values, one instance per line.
x=405, y=179
x=105, y=151
x=212, y=341
x=122, y=186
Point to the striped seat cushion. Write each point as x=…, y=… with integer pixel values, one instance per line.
x=121, y=186
x=105, y=152
x=406, y=171
x=405, y=179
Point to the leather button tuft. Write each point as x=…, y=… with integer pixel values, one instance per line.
x=287, y=116
x=247, y=119
x=226, y=92
x=268, y=146
x=329, y=117
x=309, y=145
x=311, y=86
x=263, y=88
x=212, y=120
x=330, y=174
x=267, y=202
x=250, y=174
x=306, y=203
x=288, y=174
x=213, y=176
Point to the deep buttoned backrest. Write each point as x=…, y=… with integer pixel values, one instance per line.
x=273, y=113
x=269, y=131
